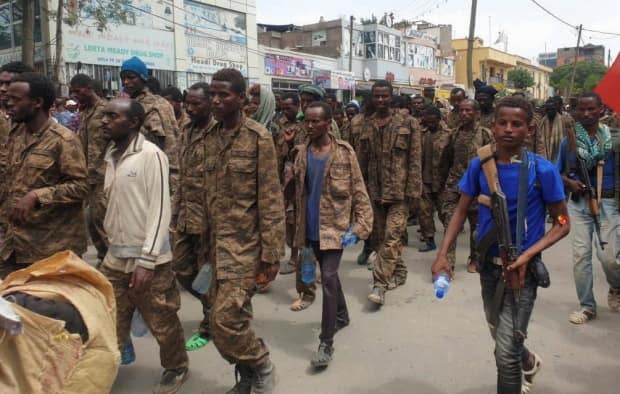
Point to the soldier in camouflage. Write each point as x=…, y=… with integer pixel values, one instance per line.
x=245, y=223
x=389, y=155
x=94, y=143
x=468, y=138
x=452, y=118
x=188, y=206
x=160, y=125
x=46, y=179
x=485, y=96
x=436, y=160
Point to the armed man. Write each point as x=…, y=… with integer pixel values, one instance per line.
x=520, y=187
x=468, y=138
x=389, y=154
x=588, y=165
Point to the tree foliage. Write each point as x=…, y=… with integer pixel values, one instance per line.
x=587, y=76
x=520, y=78
x=97, y=12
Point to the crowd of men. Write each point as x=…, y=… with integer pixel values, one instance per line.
x=205, y=187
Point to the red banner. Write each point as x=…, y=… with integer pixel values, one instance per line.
x=609, y=87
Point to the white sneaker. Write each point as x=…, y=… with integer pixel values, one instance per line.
x=527, y=386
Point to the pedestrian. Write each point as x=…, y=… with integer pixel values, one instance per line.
x=245, y=224
x=137, y=220
x=542, y=189
x=485, y=96
x=46, y=179
x=265, y=108
x=308, y=94
x=189, y=254
x=94, y=143
x=390, y=159
x=554, y=127
x=333, y=209
x=592, y=144
x=160, y=124
x=417, y=107
x=456, y=96
x=346, y=131
x=436, y=162
x=468, y=138
x=174, y=96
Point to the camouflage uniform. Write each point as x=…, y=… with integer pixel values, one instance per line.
x=436, y=162
x=535, y=142
x=390, y=160
x=94, y=144
x=188, y=211
x=160, y=127
x=5, y=128
x=452, y=120
x=552, y=137
x=52, y=165
x=487, y=120
x=245, y=216
x=464, y=148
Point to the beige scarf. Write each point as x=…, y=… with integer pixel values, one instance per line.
x=553, y=134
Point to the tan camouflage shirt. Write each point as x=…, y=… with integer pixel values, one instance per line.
x=391, y=158
x=51, y=164
x=188, y=202
x=452, y=119
x=464, y=148
x=244, y=204
x=5, y=129
x=344, y=200
x=439, y=158
x=160, y=125
x=93, y=141
x=487, y=120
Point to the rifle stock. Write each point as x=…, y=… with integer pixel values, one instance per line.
x=591, y=198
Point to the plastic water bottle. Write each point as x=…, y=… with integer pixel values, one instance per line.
x=307, y=266
x=441, y=284
x=202, y=281
x=138, y=325
x=348, y=238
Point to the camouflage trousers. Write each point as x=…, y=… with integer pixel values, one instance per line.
x=390, y=222
x=95, y=213
x=158, y=303
x=429, y=204
x=449, y=201
x=230, y=318
x=188, y=256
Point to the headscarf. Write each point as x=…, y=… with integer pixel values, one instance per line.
x=314, y=90
x=266, y=108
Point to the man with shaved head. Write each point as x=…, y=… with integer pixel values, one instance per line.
x=139, y=255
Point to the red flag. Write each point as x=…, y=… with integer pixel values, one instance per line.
x=609, y=87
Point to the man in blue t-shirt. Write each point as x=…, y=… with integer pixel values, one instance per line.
x=592, y=143
x=516, y=365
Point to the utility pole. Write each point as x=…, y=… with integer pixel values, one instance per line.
x=572, y=77
x=351, y=55
x=58, y=62
x=470, y=44
x=28, y=32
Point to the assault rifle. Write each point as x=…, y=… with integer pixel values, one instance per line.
x=590, y=197
x=508, y=251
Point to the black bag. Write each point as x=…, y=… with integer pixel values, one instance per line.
x=540, y=272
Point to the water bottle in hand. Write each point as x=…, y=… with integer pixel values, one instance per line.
x=441, y=284
x=348, y=238
x=138, y=325
x=202, y=281
x=307, y=266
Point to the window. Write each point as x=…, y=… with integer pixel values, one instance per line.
x=11, y=15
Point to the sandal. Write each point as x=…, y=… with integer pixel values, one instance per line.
x=528, y=376
x=301, y=303
x=581, y=316
x=196, y=342
x=472, y=267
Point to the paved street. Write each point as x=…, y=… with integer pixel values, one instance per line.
x=414, y=344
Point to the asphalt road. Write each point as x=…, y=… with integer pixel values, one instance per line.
x=414, y=344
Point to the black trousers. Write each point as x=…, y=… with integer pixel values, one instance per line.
x=334, y=304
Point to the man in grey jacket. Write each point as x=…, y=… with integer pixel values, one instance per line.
x=137, y=219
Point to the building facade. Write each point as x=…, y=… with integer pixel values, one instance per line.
x=181, y=41
x=587, y=53
x=549, y=59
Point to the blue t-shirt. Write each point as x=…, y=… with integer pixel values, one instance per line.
x=314, y=182
x=544, y=187
x=565, y=155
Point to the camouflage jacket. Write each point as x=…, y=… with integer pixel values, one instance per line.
x=188, y=202
x=244, y=217
x=440, y=157
x=391, y=158
x=5, y=129
x=345, y=132
x=52, y=165
x=160, y=125
x=344, y=200
x=94, y=142
x=487, y=120
x=452, y=119
x=464, y=148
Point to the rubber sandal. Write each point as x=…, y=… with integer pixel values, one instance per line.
x=527, y=385
x=472, y=267
x=301, y=303
x=581, y=316
x=195, y=342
